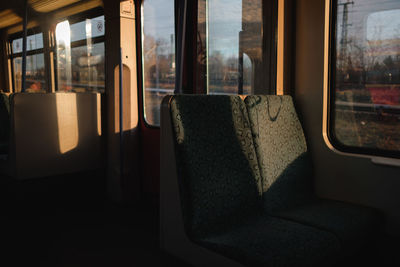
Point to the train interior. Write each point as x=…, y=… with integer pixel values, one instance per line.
x=106, y=105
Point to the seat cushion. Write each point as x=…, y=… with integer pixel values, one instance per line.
x=268, y=241
x=216, y=162
x=354, y=225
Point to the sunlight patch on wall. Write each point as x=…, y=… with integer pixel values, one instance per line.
x=67, y=119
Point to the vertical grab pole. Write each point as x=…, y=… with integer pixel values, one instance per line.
x=181, y=30
x=240, y=86
x=183, y=42
x=121, y=117
x=24, y=48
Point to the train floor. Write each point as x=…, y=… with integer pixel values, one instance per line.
x=62, y=221
x=68, y=221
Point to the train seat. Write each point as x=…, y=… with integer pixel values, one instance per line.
x=219, y=186
x=52, y=134
x=4, y=123
x=269, y=241
x=286, y=171
x=215, y=169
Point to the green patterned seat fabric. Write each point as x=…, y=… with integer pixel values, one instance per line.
x=281, y=149
x=269, y=241
x=287, y=175
x=354, y=225
x=217, y=164
x=4, y=123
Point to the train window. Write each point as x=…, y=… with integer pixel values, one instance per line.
x=158, y=50
x=240, y=46
x=35, y=73
x=80, y=55
x=35, y=68
x=365, y=83
x=33, y=42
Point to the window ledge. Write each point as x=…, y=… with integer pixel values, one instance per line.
x=386, y=161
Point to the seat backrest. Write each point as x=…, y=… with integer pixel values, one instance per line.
x=216, y=160
x=281, y=150
x=54, y=133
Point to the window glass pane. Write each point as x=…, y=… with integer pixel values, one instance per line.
x=17, y=45
x=35, y=74
x=17, y=64
x=32, y=42
x=234, y=45
x=367, y=75
x=158, y=55
x=80, y=68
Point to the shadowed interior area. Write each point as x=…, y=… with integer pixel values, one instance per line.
x=292, y=188
x=68, y=221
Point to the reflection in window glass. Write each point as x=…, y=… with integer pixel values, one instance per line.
x=80, y=67
x=88, y=72
x=89, y=28
x=234, y=51
x=367, y=75
x=35, y=74
x=64, y=72
x=158, y=43
x=17, y=45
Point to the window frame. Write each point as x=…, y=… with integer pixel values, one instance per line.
x=269, y=46
x=12, y=56
x=76, y=18
x=329, y=109
x=140, y=61
x=193, y=78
